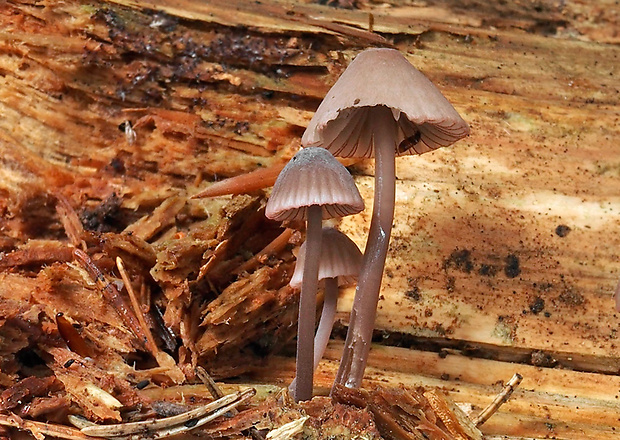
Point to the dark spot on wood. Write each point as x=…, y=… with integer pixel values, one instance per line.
x=29, y=358
x=461, y=260
x=117, y=165
x=571, y=297
x=105, y=217
x=262, y=347
x=512, y=268
x=241, y=127
x=562, y=230
x=537, y=305
x=123, y=126
x=488, y=270
x=441, y=330
x=450, y=284
x=142, y=384
x=413, y=294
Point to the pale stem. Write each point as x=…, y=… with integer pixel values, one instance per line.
x=326, y=323
x=364, y=310
x=307, y=306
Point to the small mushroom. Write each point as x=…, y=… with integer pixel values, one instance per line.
x=313, y=186
x=339, y=265
x=381, y=106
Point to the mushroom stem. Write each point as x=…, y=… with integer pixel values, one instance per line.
x=307, y=306
x=328, y=316
x=326, y=323
x=364, y=310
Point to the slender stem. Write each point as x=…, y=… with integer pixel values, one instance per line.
x=326, y=323
x=307, y=306
x=364, y=311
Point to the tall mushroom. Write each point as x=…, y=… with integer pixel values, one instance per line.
x=339, y=265
x=381, y=106
x=313, y=186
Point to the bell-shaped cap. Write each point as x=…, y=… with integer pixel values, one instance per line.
x=313, y=177
x=425, y=120
x=340, y=258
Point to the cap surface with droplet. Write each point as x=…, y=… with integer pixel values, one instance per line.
x=313, y=177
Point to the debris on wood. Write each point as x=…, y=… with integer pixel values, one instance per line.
x=402, y=414
x=116, y=282
x=499, y=400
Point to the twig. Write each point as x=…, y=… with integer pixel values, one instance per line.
x=40, y=429
x=499, y=400
x=173, y=425
x=70, y=222
x=217, y=393
x=275, y=246
x=209, y=383
x=111, y=294
x=252, y=181
x=150, y=341
x=287, y=430
x=243, y=183
x=163, y=359
x=212, y=259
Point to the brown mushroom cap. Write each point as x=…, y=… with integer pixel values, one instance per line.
x=313, y=177
x=340, y=258
x=383, y=78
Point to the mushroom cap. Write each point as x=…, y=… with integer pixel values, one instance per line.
x=383, y=78
x=340, y=258
x=313, y=177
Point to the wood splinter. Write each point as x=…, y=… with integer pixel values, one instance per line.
x=243, y=183
x=163, y=359
x=499, y=400
x=217, y=393
x=174, y=425
x=111, y=295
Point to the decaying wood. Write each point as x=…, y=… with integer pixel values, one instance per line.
x=504, y=254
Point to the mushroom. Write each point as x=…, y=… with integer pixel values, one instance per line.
x=381, y=106
x=339, y=265
x=313, y=186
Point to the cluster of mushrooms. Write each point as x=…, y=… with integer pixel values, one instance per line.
x=380, y=107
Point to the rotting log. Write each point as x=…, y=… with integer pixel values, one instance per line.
x=504, y=254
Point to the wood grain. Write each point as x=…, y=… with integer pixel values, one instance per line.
x=505, y=250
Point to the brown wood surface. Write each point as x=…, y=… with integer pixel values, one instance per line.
x=505, y=251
